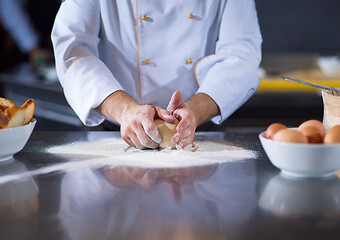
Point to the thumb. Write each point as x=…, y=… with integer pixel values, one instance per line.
x=175, y=102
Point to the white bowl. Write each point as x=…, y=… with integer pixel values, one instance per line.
x=302, y=160
x=13, y=140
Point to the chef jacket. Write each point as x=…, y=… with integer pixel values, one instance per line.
x=151, y=48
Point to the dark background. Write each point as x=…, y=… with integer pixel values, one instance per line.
x=290, y=26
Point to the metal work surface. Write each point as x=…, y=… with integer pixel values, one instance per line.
x=60, y=196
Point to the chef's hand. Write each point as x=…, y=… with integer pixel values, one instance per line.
x=187, y=121
x=137, y=125
x=199, y=109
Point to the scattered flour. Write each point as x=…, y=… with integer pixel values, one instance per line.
x=117, y=151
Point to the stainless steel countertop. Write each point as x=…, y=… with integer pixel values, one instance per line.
x=246, y=199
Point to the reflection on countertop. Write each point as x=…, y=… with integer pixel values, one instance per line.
x=18, y=199
x=137, y=203
x=290, y=197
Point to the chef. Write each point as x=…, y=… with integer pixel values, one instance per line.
x=132, y=61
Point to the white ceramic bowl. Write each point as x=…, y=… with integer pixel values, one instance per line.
x=13, y=140
x=302, y=160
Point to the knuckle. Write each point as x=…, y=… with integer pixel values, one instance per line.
x=134, y=123
x=143, y=115
x=186, y=114
x=149, y=143
x=149, y=108
x=139, y=145
x=124, y=136
x=146, y=142
x=150, y=130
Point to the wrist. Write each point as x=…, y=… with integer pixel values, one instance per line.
x=116, y=105
x=204, y=107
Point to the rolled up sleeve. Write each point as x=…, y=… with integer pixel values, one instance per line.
x=86, y=80
x=229, y=76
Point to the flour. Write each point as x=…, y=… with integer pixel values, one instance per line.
x=115, y=152
x=119, y=153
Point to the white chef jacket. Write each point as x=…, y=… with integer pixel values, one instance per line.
x=151, y=48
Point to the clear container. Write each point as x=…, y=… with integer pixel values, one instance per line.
x=331, y=112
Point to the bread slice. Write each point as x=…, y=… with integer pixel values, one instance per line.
x=6, y=102
x=3, y=118
x=15, y=116
x=28, y=106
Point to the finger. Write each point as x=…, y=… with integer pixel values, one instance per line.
x=135, y=141
x=125, y=136
x=184, y=129
x=175, y=138
x=186, y=133
x=151, y=130
x=129, y=142
x=175, y=101
x=185, y=142
x=184, y=122
x=181, y=138
x=143, y=138
x=165, y=115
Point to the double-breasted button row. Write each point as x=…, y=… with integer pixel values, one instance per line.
x=190, y=16
x=147, y=61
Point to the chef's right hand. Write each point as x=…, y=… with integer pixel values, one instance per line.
x=137, y=121
x=138, y=128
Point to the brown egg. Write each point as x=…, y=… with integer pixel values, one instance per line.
x=274, y=128
x=290, y=135
x=313, y=123
x=312, y=134
x=333, y=135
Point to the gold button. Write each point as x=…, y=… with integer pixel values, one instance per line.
x=146, y=62
x=189, y=61
x=143, y=17
x=190, y=16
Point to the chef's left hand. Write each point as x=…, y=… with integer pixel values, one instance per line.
x=196, y=111
x=187, y=121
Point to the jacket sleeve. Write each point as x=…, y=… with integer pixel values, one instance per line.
x=229, y=76
x=85, y=79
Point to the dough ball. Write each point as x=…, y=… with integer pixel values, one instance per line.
x=167, y=130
